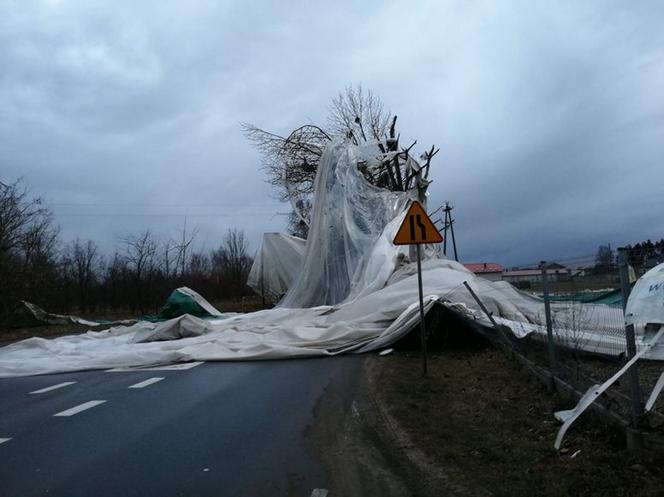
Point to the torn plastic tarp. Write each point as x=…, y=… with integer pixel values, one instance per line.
x=370, y=321
x=49, y=318
x=276, y=265
x=568, y=417
x=355, y=292
x=184, y=300
x=181, y=301
x=645, y=307
x=644, y=311
x=347, y=219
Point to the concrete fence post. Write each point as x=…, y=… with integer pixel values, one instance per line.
x=551, y=347
x=630, y=339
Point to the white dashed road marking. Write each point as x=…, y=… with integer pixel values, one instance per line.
x=54, y=387
x=79, y=408
x=3, y=440
x=171, y=367
x=147, y=383
x=319, y=492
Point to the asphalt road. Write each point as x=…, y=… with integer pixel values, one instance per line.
x=217, y=429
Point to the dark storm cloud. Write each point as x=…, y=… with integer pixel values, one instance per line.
x=550, y=118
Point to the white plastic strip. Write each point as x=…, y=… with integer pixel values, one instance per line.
x=82, y=407
x=147, y=383
x=181, y=366
x=568, y=417
x=3, y=440
x=319, y=492
x=655, y=393
x=54, y=387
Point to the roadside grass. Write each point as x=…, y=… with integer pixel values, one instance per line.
x=480, y=414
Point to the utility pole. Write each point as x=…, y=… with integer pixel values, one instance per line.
x=448, y=222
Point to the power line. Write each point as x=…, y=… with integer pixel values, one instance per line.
x=135, y=204
x=145, y=214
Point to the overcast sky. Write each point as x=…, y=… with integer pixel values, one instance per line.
x=549, y=115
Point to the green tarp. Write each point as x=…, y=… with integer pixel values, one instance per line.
x=611, y=298
x=184, y=300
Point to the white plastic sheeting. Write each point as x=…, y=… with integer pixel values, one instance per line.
x=569, y=416
x=646, y=300
x=355, y=291
x=645, y=311
x=364, y=324
x=276, y=265
x=199, y=299
x=348, y=216
x=49, y=318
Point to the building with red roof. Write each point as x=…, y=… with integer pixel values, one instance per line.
x=489, y=270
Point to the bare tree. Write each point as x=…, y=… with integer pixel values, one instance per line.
x=80, y=262
x=199, y=267
x=27, y=247
x=358, y=114
x=230, y=261
x=182, y=247
x=19, y=213
x=140, y=255
x=291, y=161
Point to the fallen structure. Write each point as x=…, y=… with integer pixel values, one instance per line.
x=183, y=301
x=276, y=265
x=347, y=289
x=39, y=316
x=350, y=290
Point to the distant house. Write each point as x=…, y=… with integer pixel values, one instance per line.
x=555, y=272
x=489, y=270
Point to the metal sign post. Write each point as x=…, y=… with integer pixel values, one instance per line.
x=417, y=229
x=423, y=331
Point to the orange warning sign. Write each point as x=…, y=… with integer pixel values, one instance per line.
x=417, y=228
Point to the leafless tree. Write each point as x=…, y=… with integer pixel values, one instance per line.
x=27, y=247
x=19, y=214
x=182, y=247
x=80, y=263
x=230, y=261
x=199, y=266
x=140, y=253
x=358, y=114
x=291, y=161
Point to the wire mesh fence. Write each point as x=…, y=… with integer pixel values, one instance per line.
x=583, y=340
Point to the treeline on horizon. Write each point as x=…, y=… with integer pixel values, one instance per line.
x=75, y=277
x=641, y=256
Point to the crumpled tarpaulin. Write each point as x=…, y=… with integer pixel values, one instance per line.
x=366, y=323
x=645, y=311
x=355, y=292
x=40, y=316
x=276, y=265
x=184, y=300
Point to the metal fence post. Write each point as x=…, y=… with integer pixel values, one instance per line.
x=506, y=341
x=634, y=385
x=549, y=322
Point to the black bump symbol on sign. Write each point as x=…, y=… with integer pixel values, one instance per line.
x=417, y=221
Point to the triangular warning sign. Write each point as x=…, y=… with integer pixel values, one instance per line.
x=417, y=228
